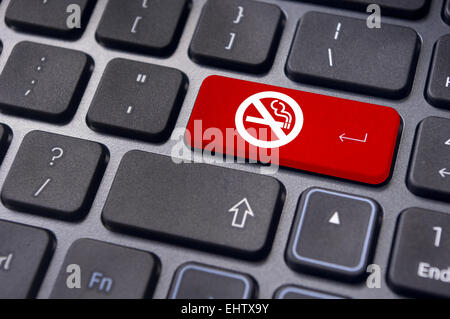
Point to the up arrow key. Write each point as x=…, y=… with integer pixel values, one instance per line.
x=241, y=211
x=335, y=219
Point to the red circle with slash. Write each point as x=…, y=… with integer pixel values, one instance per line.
x=280, y=106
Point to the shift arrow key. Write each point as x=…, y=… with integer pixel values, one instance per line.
x=196, y=205
x=241, y=211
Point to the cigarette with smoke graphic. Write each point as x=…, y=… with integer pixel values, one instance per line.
x=280, y=111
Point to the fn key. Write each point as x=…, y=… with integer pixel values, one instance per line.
x=106, y=271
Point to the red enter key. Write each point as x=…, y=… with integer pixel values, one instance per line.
x=306, y=131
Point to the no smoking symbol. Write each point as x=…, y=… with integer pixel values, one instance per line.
x=290, y=110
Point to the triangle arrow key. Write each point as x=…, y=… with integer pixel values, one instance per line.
x=335, y=219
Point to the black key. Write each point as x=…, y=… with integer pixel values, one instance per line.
x=409, y=9
x=203, y=206
x=195, y=281
x=138, y=100
x=343, y=53
x=429, y=172
x=54, y=175
x=147, y=26
x=24, y=256
x=237, y=34
x=333, y=234
x=106, y=271
x=446, y=13
x=438, y=88
x=294, y=292
x=58, y=18
x=5, y=139
x=43, y=82
x=420, y=257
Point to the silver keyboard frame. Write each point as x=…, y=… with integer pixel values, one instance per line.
x=272, y=272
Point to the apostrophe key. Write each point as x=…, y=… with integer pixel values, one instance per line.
x=43, y=82
x=137, y=100
x=25, y=252
x=58, y=18
x=54, y=175
x=343, y=53
x=196, y=281
x=197, y=205
x=237, y=34
x=147, y=26
x=106, y=271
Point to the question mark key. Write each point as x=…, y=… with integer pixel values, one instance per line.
x=54, y=175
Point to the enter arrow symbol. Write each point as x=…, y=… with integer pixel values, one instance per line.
x=241, y=211
x=443, y=172
x=343, y=137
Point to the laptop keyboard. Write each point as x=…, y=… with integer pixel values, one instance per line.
x=99, y=175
